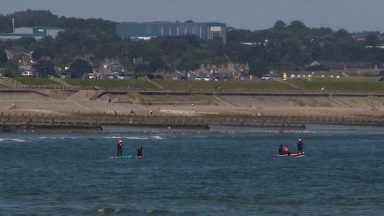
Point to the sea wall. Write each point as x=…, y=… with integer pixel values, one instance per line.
x=9, y=121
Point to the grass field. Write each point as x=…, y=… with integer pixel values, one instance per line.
x=361, y=84
x=254, y=85
x=107, y=83
x=35, y=81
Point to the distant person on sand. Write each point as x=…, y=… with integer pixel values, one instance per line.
x=119, y=146
x=139, y=151
x=300, y=144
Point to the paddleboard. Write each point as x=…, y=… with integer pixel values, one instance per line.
x=122, y=157
x=291, y=155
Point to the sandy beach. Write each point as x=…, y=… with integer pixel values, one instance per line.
x=67, y=103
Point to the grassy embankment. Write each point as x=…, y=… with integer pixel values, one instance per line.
x=185, y=85
x=361, y=84
x=35, y=81
x=347, y=84
x=106, y=83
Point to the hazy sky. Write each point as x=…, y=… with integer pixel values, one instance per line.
x=353, y=15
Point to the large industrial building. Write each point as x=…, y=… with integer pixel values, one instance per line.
x=147, y=30
x=35, y=32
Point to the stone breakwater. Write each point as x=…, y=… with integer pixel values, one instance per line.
x=86, y=121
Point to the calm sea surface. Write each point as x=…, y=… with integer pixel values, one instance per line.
x=224, y=171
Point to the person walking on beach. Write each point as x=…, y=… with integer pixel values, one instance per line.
x=300, y=144
x=119, y=146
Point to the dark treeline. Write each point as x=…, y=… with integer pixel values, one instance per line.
x=86, y=43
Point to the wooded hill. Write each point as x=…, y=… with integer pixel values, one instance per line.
x=86, y=43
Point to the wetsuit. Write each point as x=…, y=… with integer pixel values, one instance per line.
x=140, y=152
x=281, y=151
x=119, y=149
x=300, y=147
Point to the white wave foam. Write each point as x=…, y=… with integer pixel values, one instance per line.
x=135, y=137
x=12, y=139
x=157, y=137
x=18, y=140
x=55, y=137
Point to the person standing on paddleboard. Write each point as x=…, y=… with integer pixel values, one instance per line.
x=119, y=146
x=300, y=144
x=139, y=151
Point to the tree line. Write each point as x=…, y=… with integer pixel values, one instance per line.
x=86, y=43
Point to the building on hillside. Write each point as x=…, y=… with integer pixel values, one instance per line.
x=359, y=37
x=146, y=30
x=34, y=32
x=111, y=66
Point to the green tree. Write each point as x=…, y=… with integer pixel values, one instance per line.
x=279, y=26
x=10, y=68
x=157, y=64
x=80, y=67
x=297, y=26
x=342, y=34
x=45, y=67
x=372, y=40
x=258, y=68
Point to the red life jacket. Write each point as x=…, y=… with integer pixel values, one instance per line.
x=285, y=149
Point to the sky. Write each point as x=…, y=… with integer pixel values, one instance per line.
x=352, y=15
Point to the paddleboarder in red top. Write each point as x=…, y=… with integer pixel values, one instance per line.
x=286, y=150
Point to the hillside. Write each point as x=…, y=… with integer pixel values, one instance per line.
x=87, y=44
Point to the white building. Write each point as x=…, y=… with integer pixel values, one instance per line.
x=35, y=32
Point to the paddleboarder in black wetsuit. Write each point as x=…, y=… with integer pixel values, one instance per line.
x=300, y=146
x=119, y=146
x=139, y=151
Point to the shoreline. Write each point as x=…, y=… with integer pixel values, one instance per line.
x=107, y=128
x=79, y=110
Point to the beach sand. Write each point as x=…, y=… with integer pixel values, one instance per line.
x=79, y=102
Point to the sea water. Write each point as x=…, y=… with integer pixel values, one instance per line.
x=222, y=171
